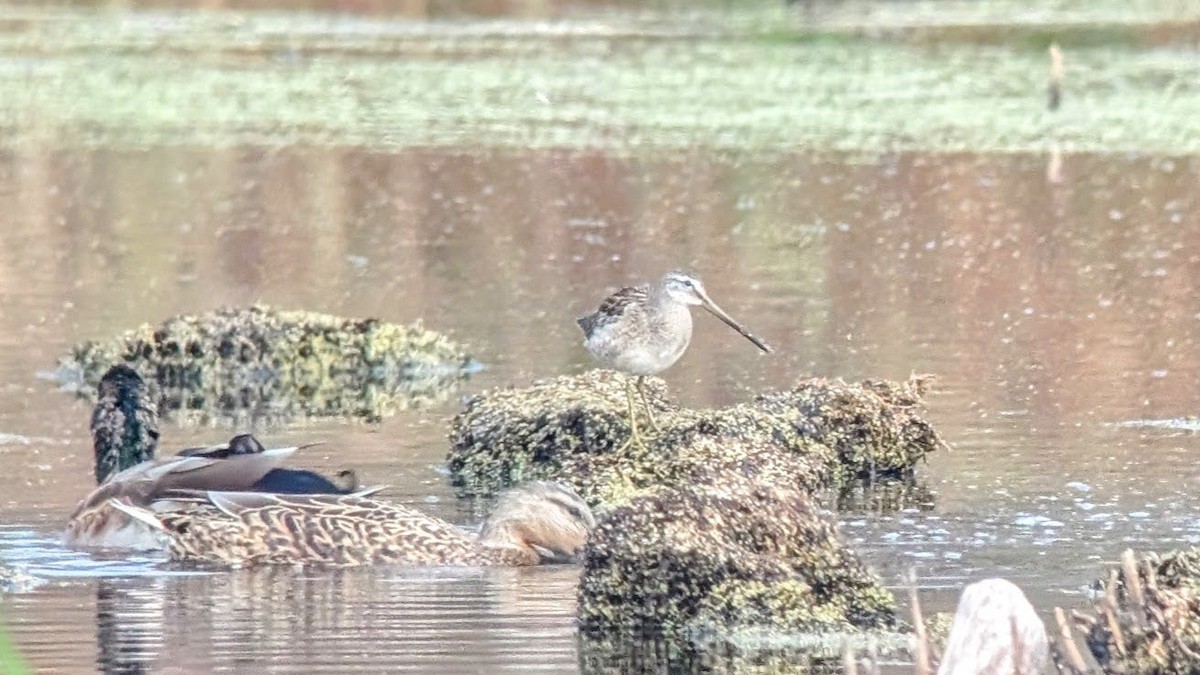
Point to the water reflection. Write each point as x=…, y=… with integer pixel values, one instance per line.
x=437, y=620
x=886, y=495
x=128, y=624
x=432, y=620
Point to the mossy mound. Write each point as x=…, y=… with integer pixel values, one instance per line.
x=258, y=362
x=572, y=429
x=721, y=557
x=1148, y=619
x=874, y=425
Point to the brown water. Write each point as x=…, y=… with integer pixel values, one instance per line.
x=1052, y=312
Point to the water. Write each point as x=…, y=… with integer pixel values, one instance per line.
x=1060, y=318
x=1053, y=314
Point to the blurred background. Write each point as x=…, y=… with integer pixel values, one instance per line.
x=876, y=188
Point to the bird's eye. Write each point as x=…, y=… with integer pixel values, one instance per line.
x=574, y=511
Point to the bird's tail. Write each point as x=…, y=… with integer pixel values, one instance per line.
x=587, y=323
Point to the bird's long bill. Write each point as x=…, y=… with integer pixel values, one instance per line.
x=720, y=314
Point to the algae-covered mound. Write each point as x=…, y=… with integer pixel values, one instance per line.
x=260, y=362
x=875, y=425
x=1148, y=619
x=572, y=429
x=720, y=557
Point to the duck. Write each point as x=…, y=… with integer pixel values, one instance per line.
x=125, y=437
x=535, y=523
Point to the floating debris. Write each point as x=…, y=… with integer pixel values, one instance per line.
x=261, y=364
x=572, y=429
x=883, y=495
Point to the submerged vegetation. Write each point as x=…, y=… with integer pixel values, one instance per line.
x=262, y=363
x=573, y=429
x=741, y=79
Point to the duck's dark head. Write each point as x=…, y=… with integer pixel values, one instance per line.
x=245, y=444
x=302, y=482
x=124, y=422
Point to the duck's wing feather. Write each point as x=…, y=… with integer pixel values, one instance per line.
x=236, y=472
x=357, y=505
x=140, y=484
x=255, y=528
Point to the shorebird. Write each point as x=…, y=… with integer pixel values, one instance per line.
x=643, y=330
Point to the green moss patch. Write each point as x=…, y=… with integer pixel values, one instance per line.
x=262, y=363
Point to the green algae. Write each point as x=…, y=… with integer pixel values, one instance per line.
x=1004, y=13
x=707, y=562
x=276, y=366
x=816, y=435
x=622, y=83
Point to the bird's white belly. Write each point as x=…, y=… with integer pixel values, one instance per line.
x=636, y=359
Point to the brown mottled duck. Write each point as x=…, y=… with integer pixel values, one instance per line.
x=125, y=436
x=531, y=524
x=643, y=330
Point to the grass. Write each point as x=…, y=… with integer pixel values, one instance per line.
x=626, y=84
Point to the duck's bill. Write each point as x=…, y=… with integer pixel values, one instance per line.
x=720, y=314
x=550, y=557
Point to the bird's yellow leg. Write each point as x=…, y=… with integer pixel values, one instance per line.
x=646, y=404
x=635, y=438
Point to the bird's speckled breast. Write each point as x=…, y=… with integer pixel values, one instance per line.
x=645, y=347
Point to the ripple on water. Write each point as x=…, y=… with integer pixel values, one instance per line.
x=43, y=556
x=142, y=611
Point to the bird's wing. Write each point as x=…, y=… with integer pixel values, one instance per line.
x=613, y=308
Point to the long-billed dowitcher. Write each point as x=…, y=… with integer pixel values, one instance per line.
x=643, y=330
